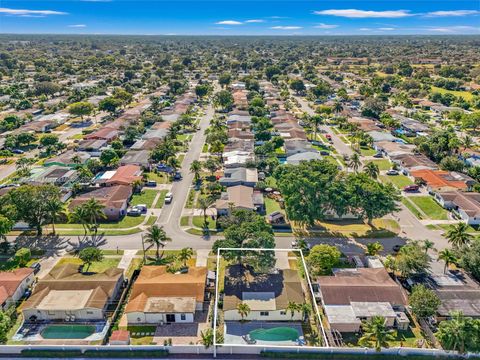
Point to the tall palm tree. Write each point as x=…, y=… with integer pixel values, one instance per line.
x=355, y=162
x=427, y=245
x=337, y=107
x=371, y=169
x=185, y=255
x=306, y=309
x=94, y=211
x=55, y=208
x=80, y=216
x=467, y=142
x=293, y=307
x=453, y=333
x=195, y=168
x=458, y=236
x=449, y=257
x=205, y=203
x=315, y=120
x=157, y=236
x=375, y=333
x=243, y=310
x=173, y=162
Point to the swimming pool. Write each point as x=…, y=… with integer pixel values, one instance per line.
x=282, y=333
x=67, y=331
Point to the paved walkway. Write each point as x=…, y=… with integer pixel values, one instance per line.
x=202, y=257
x=126, y=259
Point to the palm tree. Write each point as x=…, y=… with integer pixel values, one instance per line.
x=453, y=333
x=185, y=255
x=427, y=245
x=206, y=338
x=371, y=169
x=306, y=310
x=467, y=142
x=374, y=248
x=80, y=216
x=355, y=162
x=337, y=107
x=157, y=236
x=173, y=162
x=449, y=257
x=243, y=310
x=315, y=120
x=94, y=211
x=205, y=203
x=375, y=333
x=55, y=208
x=196, y=167
x=137, y=185
x=458, y=236
x=293, y=307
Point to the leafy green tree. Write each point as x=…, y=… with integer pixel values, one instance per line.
x=157, y=237
x=109, y=104
x=411, y=259
x=457, y=333
x=297, y=85
x=196, y=168
x=23, y=256
x=202, y=90
x=224, y=79
x=423, y=302
x=223, y=99
x=374, y=248
x=376, y=334
x=469, y=258
x=81, y=109
x=5, y=324
x=458, y=236
x=89, y=255
x=322, y=259
x=109, y=157
x=6, y=226
x=371, y=169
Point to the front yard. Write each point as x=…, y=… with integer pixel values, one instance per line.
x=430, y=207
x=145, y=197
x=382, y=164
x=98, y=266
x=399, y=181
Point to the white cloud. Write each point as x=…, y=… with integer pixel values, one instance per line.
x=365, y=29
x=255, y=21
x=325, y=26
x=386, y=29
x=455, y=29
x=286, y=27
x=453, y=13
x=32, y=13
x=77, y=26
x=355, y=13
x=229, y=22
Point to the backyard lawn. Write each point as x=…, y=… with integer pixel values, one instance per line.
x=430, y=207
x=99, y=266
x=383, y=164
x=272, y=206
x=145, y=197
x=198, y=222
x=400, y=181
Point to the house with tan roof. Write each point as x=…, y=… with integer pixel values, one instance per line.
x=240, y=197
x=267, y=295
x=13, y=285
x=464, y=204
x=159, y=296
x=353, y=295
x=67, y=293
x=113, y=198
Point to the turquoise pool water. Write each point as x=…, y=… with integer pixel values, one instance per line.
x=67, y=331
x=275, y=334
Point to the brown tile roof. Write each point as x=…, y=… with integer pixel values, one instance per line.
x=157, y=282
x=111, y=196
x=285, y=285
x=11, y=280
x=440, y=179
x=126, y=175
x=361, y=285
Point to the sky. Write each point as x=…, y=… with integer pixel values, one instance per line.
x=241, y=17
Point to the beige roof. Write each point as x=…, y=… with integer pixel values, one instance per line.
x=110, y=196
x=170, y=305
x=240, y=196
x=65, y=300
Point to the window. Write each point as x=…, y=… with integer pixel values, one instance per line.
x=90, y=312
x=183, y=317
x=283, y=313
x=264, y=313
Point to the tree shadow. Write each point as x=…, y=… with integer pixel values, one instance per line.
x=52, y=244
x=83, y=242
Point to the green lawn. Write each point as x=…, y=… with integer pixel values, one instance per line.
x=412, y=208
x=180, y=158
x=430, y=207
x=271, y=206
x=367, y=151
x=126, y=222
x=198, y=222
x=99, y=266
x=161, y=199
x=184, y=221
x=400, y=181
x=271, y=182
x=159, y=177
x=184, y=137
x=145, y=197
x=465, y=94
x=382, y=164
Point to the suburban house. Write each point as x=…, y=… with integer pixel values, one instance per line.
x=240, y=197
x=239, y=176
x=413, y=162
x=65, y=293
x=106, y=133
x=69, y=158
x=125, y=175
x=93, y=147
x=464, y=204
x=159, y=296
x=267, y=295
x=134, y=157
x=233, y=159
x=301, y=157
x=293, y=147
x=55, y=174
x=13, y=285
x=393, y=148
x=440, y=180
x=239, y=145
x=353, y=295
x=382, y=136
x=113, y=198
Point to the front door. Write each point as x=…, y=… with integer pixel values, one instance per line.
x=170, y=318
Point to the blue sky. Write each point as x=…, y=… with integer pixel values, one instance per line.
x=244, y=17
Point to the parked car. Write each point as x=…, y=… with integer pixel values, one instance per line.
x=177, y=176
x=18, y=151
x=27, y=293
x=151, y=183
x=324, y=153
x=378, y=155
x=134, y=212
x=392, y=172
x=411, y=188
x=142, y=207
x=36, y=267
x=168, y=198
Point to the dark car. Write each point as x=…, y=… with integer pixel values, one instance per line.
x=18, y=151
x=151, y=183
x=324, y=153
x=177, y=176
x=36, y=267
x=378, y=155
x=134, y=212
x=411, y=188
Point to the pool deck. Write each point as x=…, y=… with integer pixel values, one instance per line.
x=32, y=333
x=234, y=330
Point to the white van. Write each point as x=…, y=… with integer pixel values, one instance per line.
x=168, y=198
